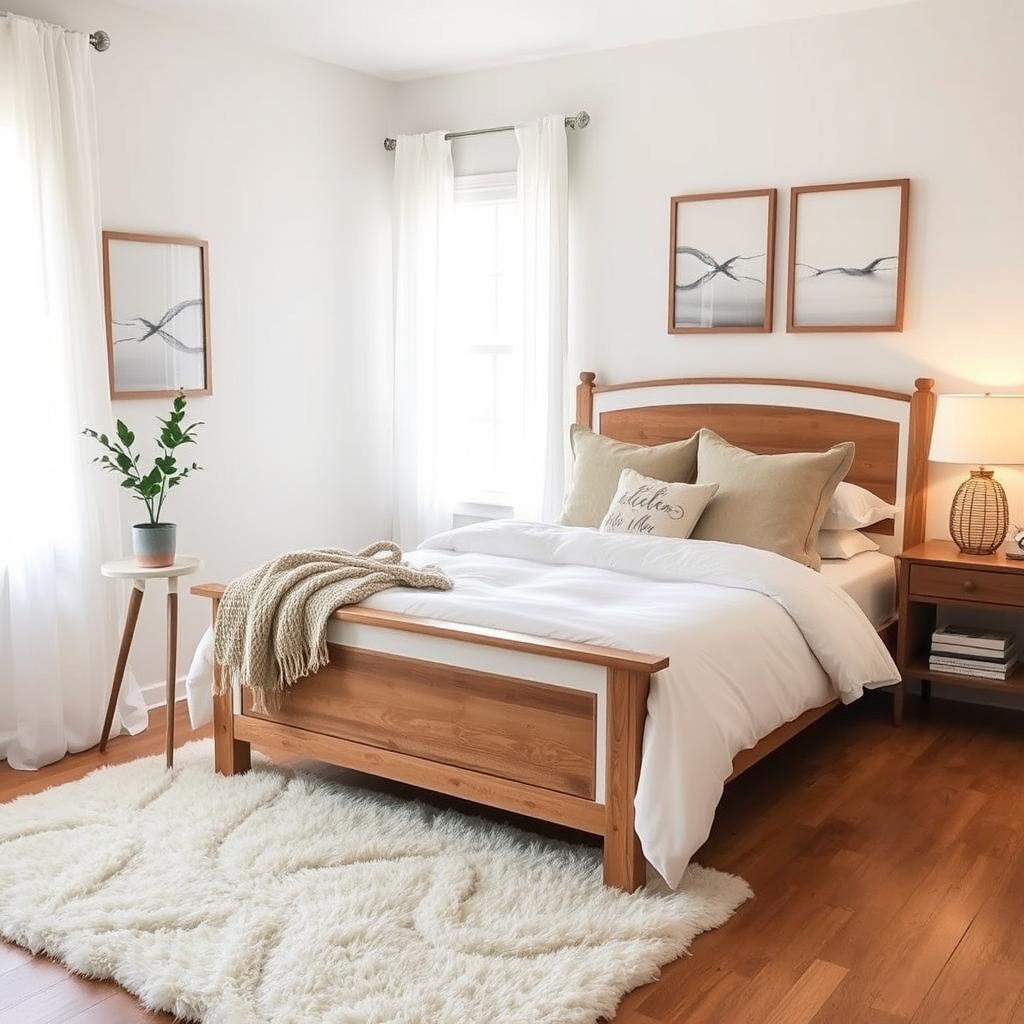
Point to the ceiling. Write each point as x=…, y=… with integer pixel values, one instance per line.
x=406, y=39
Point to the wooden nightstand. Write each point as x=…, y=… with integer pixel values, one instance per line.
x=936, y=573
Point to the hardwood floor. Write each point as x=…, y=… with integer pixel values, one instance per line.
x=888, y=867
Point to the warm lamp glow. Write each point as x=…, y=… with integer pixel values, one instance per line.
x=979, y=430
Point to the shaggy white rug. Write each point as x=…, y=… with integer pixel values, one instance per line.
x=281, y=898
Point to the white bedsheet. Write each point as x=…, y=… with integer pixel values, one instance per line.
x=870, y=579
x=754, y=641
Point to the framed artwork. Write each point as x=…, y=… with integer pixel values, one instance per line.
x=156, y=295
x=848, y=256
x=721, y=262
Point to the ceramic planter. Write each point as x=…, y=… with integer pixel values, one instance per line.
x=154, y=544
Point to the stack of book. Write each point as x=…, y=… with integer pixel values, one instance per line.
x=988, y=654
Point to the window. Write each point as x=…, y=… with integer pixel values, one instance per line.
x=487, y=323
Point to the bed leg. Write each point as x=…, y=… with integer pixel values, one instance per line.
x=230, y=756
x=624, y=865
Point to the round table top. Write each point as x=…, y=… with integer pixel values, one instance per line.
x=128, y=568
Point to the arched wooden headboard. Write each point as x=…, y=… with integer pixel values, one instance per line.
x=892, y=430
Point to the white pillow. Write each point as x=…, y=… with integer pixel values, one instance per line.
x=656, y=508
x=853, y=507
x=843, y=543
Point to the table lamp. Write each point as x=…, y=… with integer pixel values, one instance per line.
x=982, y=431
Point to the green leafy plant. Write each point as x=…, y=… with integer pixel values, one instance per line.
x=149, y=487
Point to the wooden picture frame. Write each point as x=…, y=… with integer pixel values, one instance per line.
x=858, y=267
x=144, y=293
x=747, y=315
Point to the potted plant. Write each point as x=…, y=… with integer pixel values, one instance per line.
x=153, y=542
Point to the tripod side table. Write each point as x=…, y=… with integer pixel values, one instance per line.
x=128, y=569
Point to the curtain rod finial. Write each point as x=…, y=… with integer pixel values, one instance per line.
x=580, y=121
x=99, y=40
x=391, y=145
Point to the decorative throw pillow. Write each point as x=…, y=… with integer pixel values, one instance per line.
x=843, y=543
x=599, y=461
x=853, y=508
x=775, y=502
x=656, y=508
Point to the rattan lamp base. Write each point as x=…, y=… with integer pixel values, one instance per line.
x=979, y=517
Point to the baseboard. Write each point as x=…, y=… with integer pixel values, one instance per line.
x=154, y=694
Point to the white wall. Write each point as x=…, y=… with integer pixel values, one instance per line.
x=932, y=90
x=277, y=161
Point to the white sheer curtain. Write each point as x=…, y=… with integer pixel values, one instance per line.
x=542, y=181
x=58, y=517
x=424, y=363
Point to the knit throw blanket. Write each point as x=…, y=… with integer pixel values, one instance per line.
x=271, y=627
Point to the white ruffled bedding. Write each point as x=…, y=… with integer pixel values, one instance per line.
x=754, y=641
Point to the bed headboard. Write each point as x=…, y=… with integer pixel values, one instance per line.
x=891, y=430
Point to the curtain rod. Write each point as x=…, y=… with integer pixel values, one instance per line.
x=578, y=121
x=98, y=40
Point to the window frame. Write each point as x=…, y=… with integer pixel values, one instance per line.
x=491, y=187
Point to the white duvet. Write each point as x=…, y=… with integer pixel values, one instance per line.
x=754, y=640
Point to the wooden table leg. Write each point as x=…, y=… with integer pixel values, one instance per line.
x=134, y=604
x=172, y=666
x=897, y=704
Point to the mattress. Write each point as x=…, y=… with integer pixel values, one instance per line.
x=754, y=640
x=870, y=579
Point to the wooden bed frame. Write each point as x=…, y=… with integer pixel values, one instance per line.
x=549, y=729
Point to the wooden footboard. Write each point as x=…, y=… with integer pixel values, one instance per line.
x=539, y=727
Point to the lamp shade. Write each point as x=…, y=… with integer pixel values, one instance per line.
x=979, y=430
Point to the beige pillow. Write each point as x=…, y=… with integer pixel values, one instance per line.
x=656, y=508
x=775, y=502
x=599, y=461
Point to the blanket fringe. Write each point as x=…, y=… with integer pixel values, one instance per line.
x=221, y=679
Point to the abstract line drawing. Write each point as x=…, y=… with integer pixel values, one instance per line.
x=158, y=315
x=721, y=261
x=874, y=267
x=725, y=267
x=158, y=327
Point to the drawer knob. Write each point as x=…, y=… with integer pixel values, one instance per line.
x=970, y=586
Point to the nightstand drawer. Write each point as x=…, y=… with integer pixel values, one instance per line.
x=938, y=581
